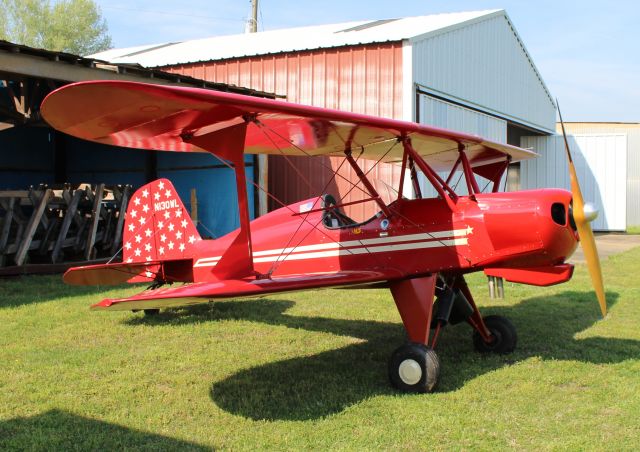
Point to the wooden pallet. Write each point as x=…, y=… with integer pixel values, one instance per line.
x=53, y=224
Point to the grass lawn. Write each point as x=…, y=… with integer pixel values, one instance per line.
x=633, y=230
x=308, y=370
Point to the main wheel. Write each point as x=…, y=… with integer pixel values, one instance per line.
x=414, y=368
x=504, y=333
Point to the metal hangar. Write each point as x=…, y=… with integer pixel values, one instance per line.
x=467, y=71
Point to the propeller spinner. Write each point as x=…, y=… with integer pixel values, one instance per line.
x=583, y=214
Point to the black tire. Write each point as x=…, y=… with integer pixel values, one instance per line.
x=414, y=367
x=150, y=312
x=504, y=332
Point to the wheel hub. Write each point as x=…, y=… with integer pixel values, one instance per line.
x=410, y=371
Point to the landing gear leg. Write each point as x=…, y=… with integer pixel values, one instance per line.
x=414, y=366
x=493, y=333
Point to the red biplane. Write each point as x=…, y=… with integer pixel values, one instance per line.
x=419, y=248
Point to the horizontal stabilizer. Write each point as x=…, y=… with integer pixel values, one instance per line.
x=111, y=274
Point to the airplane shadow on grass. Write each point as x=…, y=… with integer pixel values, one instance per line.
x=61, y=430
x=27, y=290
x=311, y=387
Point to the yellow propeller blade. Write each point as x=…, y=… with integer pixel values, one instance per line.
x=587, y=240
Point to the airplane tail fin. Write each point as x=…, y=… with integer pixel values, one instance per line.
x=157, y=225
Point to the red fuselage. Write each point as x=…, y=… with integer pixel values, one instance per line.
x=525, y=229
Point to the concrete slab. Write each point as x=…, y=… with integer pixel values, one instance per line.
x=608, y=244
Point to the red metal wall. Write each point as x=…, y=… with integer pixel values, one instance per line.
x=363, y=79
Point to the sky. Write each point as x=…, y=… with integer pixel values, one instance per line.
x=586, y=51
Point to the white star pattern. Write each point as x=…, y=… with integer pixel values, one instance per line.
x=162, y=234
x=148, y=274
x=129, y=260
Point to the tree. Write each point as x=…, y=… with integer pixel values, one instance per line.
x=74, y=26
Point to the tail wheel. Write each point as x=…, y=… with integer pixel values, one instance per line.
x=414, y=367
x=504, y=335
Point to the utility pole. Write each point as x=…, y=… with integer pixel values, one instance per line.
x=254, y=17
x=262, y=160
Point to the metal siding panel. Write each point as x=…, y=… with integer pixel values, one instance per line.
x=363, y=79
x=600, y=162
x=633, y=160
x=319, y=77
x=257, y=74
x=485, y=66
x=331, y=85
x=20, y=169
x=444, y=114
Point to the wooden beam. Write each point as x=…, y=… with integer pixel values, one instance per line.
x=124, y=202
x=95, y=218
x=6, y=227
x=32, y=226
x=66, y=223
x=33, y=66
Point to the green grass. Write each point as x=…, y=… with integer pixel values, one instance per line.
x=308, y=370
x=633, y=229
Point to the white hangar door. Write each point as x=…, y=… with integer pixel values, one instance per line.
x=436, y=112
x=601, y=165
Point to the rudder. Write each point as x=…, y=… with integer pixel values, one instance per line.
x=157, y=225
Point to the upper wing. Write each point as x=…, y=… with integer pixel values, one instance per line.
x=158, y=117
x=203, y=292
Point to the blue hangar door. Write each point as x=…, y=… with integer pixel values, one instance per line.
x=214, y=183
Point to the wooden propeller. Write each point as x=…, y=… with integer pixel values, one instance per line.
x=584, y=228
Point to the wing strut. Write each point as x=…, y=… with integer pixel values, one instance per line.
x=228, y=144
x=431, y=175
x=363, y=178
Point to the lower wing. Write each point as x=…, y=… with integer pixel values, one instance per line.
x=195, y=293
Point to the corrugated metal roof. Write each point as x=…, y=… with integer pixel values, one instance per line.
x=102, y=66
x=290, y=40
